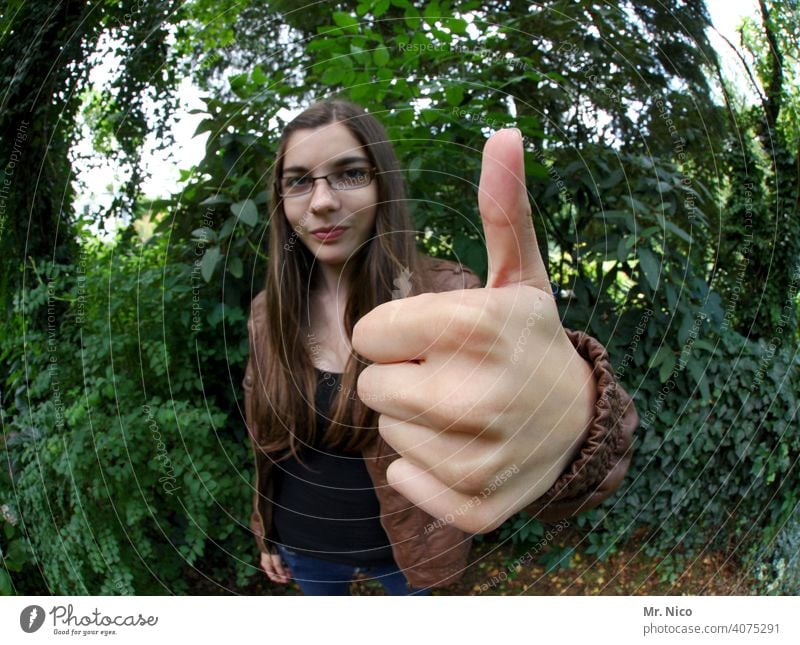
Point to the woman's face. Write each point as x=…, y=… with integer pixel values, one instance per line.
x=316, y=152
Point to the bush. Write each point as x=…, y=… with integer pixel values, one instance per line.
x=777, y=568
x=127, y=473
x=716, y=471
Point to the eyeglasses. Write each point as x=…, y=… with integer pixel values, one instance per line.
x=349, y=179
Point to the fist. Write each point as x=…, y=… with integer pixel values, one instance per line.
x=480, y=391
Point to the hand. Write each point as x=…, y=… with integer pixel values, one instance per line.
x=479, y=390
x=274, y=568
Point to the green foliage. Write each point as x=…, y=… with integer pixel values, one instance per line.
x=762, y=231
x=127, y=469
x=625, y=212
x=128, y=475
x=777, y=566
x=388, y=56
x=49, y=50
x=18, y=574
x=713, y=471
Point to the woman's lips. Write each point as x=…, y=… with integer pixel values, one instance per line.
x=330, y=234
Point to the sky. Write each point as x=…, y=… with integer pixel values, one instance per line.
x=103, y=180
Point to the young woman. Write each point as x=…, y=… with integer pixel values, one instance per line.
x=382, y=449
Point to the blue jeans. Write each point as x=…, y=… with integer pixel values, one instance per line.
x=318, y=577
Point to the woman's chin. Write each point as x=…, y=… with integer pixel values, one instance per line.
x=331, y=257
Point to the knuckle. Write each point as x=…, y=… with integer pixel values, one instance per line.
x=387, y=431
x=364, y=387
x=477, y=520
x=467, y=327
x=471, y=475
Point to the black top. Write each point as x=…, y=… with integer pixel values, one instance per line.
x=326, y=507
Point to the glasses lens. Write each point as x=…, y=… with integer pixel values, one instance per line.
x=351, y=179
x=295, y=185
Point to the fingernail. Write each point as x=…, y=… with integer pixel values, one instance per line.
x=518, y=131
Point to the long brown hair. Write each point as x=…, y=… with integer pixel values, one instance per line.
x=284, y=391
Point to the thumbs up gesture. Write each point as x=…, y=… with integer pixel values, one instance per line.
x=480, y=390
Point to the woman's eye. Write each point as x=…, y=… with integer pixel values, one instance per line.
x=293, y=182
x=351, y=178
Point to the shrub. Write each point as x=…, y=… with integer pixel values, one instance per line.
x=128, y=475
x=777, y=567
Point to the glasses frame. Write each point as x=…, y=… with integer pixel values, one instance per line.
x=372, y=171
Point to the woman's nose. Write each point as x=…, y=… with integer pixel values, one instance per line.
x=323, y=197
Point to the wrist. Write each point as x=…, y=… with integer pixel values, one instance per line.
x=600, y=444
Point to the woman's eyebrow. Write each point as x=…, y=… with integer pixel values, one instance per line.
x=344, y=161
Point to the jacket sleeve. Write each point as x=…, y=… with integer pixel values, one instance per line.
x=605, y=456
x=256, y=517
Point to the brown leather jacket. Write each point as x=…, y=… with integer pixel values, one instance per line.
x=437, y=558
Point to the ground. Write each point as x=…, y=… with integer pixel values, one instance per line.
x=627, y=572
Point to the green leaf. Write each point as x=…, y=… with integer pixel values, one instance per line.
x=611, y=180
x=703, y=344
x=454, y=95
x=205, y=234
x=622, y=248
x=206, y=125
x=557, y=558
x=6, y=588
x=667, y=366
x=677, y=230
x=381, y=56
x=430, y=116
x=695, y=369
x=412, y=17
x=209, y=263
x=238, y=84
x=413, y=168
x=246, y=211
x=236, y=267
x=345, y=20
x=258, y=75
x=333, y=75
x=359, y=55
x=650, y=231
x=360, y=92
x=625, y=216
x=639, y=208
x=456, y=25
x=215, y=200
x=405, y=116
x=649, y=266
x=227, y=228
x=660, y=356
x=432, y=11
x=686, y=327
x=672, y=296
x=320, y=44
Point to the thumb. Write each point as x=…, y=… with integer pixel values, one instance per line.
x=511, y=246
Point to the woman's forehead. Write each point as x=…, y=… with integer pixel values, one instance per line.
x=327, y=145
